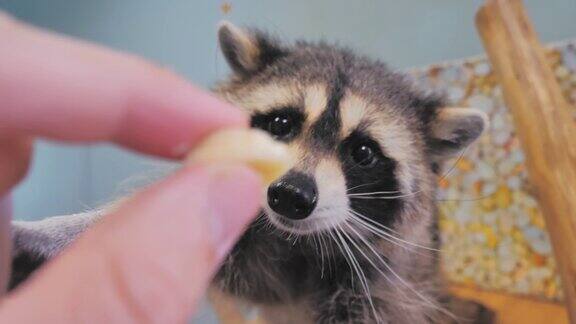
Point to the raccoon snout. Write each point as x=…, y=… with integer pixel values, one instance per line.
x=293, y=196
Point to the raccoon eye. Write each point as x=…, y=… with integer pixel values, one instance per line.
x=281, y=126
x=364, y=155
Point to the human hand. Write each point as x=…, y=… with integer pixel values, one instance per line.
x=152, y=258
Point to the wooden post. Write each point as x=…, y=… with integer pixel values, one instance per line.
x=544, y=124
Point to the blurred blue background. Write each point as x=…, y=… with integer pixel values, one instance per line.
x=182, y=36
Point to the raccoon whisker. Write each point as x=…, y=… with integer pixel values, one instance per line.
x=260, y=219
x=384, y=232
x=315, y=238
x=376, y=232
x=369, y=195
x=381, y=229
x=321, y=251
x=272, y=230
x=322, y=243
x=378, y=198
x=295, y=241
x=327, y=254
x=406, y=247
x=358, y=269
x=467, y=199
x=444, y=176
x=325, y=241
x=365, y=241
x=290, y=234
x=373, y=193
x=341, y=252
x=424, y=301
x=355, y=264
x=263, y=224
x=362, y=185
x=388, y=197
x=403, y=282
x=453, y=167
x=311, y=239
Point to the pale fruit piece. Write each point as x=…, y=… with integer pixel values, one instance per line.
x=253, y=147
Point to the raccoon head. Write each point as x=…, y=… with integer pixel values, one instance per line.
x=367, y=143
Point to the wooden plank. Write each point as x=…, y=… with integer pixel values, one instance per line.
x=514, y=309
x=545, y=126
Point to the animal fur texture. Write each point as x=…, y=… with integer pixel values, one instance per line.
x=350, y=233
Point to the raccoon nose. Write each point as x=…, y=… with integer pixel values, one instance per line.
x=293, y=196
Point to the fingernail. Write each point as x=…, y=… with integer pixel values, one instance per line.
x=234, y=198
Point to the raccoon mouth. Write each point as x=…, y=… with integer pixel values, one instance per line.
x=322, y=219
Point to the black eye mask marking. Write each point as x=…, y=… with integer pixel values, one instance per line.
x=375, y=175
x=283, y=124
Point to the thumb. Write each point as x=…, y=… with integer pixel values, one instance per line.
x=149, y=261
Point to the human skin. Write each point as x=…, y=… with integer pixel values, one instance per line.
x=151, y=259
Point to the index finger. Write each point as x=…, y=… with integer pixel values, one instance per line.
x=64, y=89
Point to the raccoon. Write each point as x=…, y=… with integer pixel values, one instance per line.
x=350, y=233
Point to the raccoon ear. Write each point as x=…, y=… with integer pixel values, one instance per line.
x=247, y=51
x=453, y=129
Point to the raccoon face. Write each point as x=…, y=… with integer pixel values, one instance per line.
x=365, y=142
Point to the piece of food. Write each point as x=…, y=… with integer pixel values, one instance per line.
x=250, y=146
